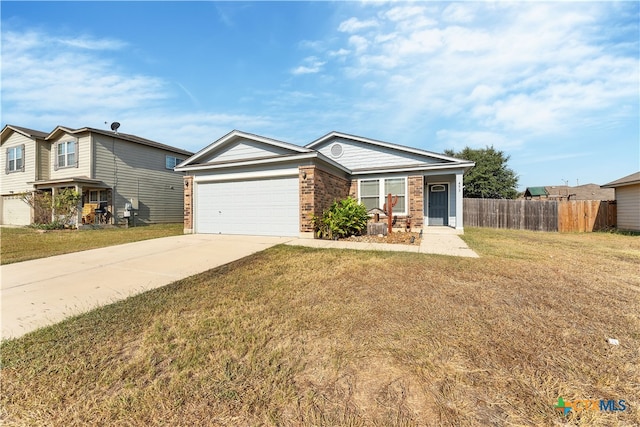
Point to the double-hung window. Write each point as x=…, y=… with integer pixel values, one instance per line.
x=370, y=193
x=396, y=186
x=97, y=196
x=171, y=162
x=66, y=153
x=15, y=159
x=373, y=193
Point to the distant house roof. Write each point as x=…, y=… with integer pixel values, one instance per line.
x=634, y=178
x=123, y=136
x=535, y=192
x=581, y=192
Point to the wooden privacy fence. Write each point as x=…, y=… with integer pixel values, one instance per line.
x=540, y=215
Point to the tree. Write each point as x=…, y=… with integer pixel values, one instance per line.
x=490, y=178
x=63, y=207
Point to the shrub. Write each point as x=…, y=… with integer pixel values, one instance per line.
x=345, y=217
x=63, y=207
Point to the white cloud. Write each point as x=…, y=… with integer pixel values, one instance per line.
x=312, y=65
x=86, y=42
x=402, y=13
x=44, y=76
x=458, y=140
x=458, y=13
x=526, y=68
x=353, y=25
x=359, y=43
x=339, y=52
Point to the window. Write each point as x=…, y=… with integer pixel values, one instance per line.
x=66, y=154
x=396, y=187
x=370, y=193
x=97, y=196
x=15, y=159
x=373, y=193
x=171, y=162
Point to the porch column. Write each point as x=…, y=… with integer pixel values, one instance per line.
x=54, y=194
x=79, y=207
x=459, y=201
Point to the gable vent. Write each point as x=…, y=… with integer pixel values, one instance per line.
x=336, y=151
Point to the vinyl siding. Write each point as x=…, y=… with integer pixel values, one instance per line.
x=43, y=161
x=138, y=171
x=358, y=155
x=628, y=199
x=246, y=149
x=17, y=181
x=83, y=153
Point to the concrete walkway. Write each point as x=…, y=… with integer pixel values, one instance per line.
x=45, y=291
x=435, y=240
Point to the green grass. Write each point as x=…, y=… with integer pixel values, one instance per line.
x=22, y=244
x=297, y=336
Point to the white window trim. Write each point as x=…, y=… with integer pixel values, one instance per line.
x=66, y=154
x=176, y=161
x=15, y=159
x=106, y=195
x=382, y=197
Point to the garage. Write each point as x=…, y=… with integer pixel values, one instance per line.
x=262, y=207
x=15, y=211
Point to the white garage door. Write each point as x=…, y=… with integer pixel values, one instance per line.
x=265, y=207
x=15, y=211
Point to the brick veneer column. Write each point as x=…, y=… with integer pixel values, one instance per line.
x=416, y=201
x=188, y=204
x=306, y=177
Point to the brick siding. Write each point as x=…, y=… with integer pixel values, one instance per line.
x=188, y=205
x=318, y=190
x=416, y=201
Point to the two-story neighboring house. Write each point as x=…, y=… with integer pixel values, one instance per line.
x=111, y=170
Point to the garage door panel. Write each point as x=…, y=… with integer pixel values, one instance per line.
x=256, y=207
x=15, y=211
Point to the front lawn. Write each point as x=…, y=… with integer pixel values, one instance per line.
x=299, y=336
x=22, y=244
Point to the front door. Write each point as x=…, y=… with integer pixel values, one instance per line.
x=438, y=204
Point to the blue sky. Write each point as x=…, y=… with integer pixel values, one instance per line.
x=553, y=85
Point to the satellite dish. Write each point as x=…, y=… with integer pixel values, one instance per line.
x=115, y=126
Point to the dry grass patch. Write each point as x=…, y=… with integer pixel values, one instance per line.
x=299, y=336
x=22, y=244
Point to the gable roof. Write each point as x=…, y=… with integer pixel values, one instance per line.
x=334, y=134
x=236, y=135
x=124, y=136
x=29, y=133
x=250, y=150
x=634, y=178
x=535, y=191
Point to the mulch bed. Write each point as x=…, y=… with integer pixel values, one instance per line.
x=398, y=237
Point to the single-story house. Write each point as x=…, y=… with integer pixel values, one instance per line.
x=111, y=170
x=249, y=184
x=627, y=194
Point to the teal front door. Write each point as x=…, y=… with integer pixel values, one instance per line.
x=438, y=204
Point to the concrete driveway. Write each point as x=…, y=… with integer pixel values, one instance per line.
x=45, y=291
